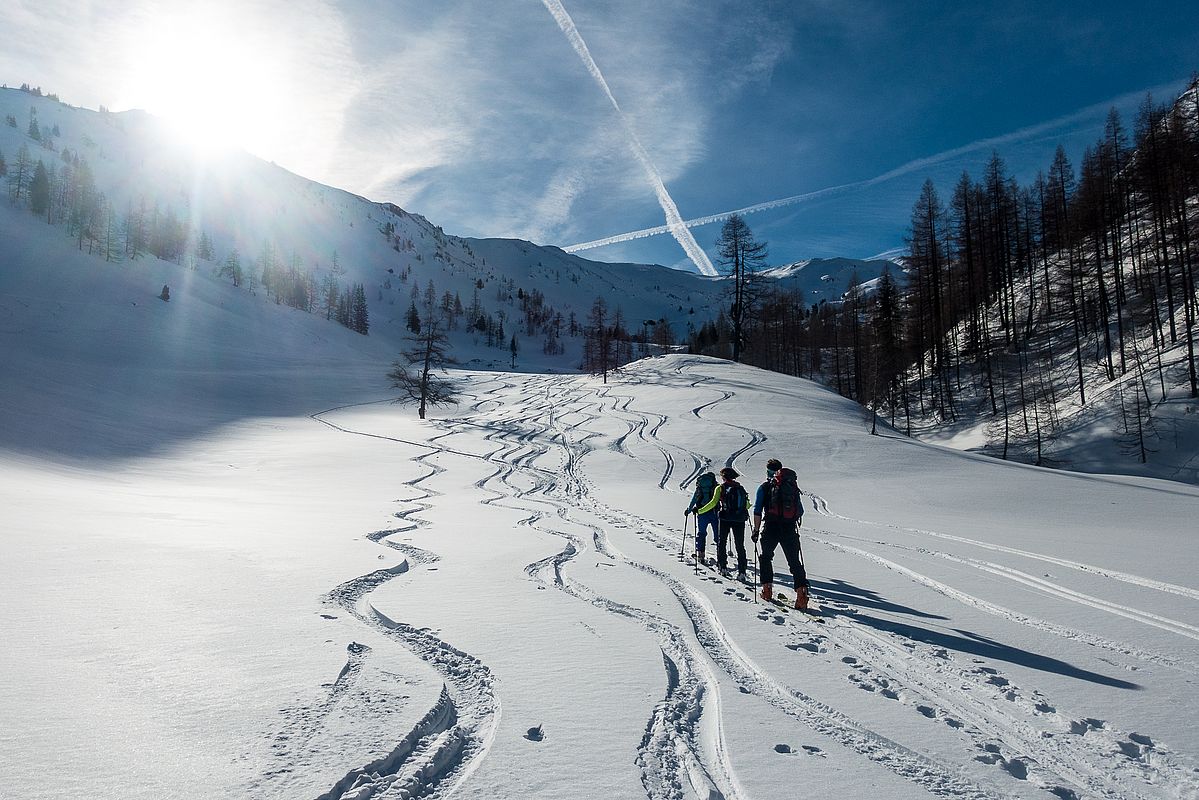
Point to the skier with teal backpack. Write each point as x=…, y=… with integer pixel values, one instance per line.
x=703, y=505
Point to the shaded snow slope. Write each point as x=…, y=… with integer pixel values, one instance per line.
x=95, y=364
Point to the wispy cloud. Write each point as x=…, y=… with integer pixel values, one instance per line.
x=990, y=143
x=674, y=220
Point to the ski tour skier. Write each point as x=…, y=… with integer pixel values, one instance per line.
x=703, y=505
x=733, y=511
x=778, y=514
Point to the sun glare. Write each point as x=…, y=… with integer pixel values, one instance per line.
x=217, y=80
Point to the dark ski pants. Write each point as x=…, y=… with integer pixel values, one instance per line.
x=780, y=532
x=702, y=523
x=722, y=543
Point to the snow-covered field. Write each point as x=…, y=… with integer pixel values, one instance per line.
x=274, y=604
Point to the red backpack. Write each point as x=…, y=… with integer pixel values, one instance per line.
x=784, y=496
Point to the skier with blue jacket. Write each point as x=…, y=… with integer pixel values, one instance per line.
x=778, y=513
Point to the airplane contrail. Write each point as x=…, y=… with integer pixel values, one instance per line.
x=674, y=220
x=903, y=169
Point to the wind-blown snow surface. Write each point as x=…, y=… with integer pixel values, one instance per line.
x=231, y=569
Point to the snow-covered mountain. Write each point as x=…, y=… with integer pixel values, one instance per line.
x=232, y=569
x=828, y=279
x=243, y=205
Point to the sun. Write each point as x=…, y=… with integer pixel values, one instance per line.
x=220, y=81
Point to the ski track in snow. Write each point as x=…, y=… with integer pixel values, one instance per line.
x=441, y=751
x=672, y=732
x=682, y=754
x=1043, y=756
x=675, y=759
x=1056, y=590
x=1103, y=572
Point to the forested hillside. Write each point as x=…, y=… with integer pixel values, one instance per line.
x=1052, y=322
x=1068, y=302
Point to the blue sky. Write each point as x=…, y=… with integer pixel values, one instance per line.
x=486, y=117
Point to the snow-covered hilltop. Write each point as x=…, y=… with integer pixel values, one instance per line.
x=828, y=279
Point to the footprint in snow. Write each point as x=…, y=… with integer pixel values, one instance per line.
x=1131, y=750
x=783, y=748
x=534, y=734
x=812, y=750
x=1084, y=726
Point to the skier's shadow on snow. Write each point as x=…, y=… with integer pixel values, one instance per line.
x=974, y=644
x=838, y=591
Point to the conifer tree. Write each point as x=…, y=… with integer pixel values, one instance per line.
x=39, y=189
x=20, y=174
x=741, y=256
x=361, y=318
x=412, y=318
x=231, y=269
x=416, y=373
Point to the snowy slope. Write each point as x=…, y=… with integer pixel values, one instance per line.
x=231, y=569
x=242, y=203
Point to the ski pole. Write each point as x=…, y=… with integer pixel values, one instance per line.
x=683, y=543
x=799, y=541
x=757, y=568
